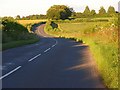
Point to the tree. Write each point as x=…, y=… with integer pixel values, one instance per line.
x=17, y=17
x=92, y=12
x=86, y=11
x=102, y=11
x=111, y=11
x=59, y=12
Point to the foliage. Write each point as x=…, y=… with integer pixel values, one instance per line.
x=92, y=12
x=58, y=12
x=86, y=11
x=51, y=27
x=18, y=17
x=102, y=11
x=13, y=31
x=111, y=11
x=78, y=20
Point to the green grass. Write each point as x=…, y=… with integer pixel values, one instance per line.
x=14, y=44
x=102, y=38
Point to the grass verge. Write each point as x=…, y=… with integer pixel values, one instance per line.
x=14, y=44
x=102, y=37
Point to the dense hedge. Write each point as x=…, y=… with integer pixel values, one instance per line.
x=13, y=31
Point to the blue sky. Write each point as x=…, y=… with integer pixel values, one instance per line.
x=29, y=7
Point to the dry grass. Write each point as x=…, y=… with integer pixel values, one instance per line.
x=25, y=22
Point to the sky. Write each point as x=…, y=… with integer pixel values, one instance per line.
x=30, y=7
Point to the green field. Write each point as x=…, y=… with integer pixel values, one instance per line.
x=102, y=38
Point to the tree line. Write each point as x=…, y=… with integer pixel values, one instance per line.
x=64, y=12
x=92, y=13
x=31, y=17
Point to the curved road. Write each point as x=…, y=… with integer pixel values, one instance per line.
x=50, y=63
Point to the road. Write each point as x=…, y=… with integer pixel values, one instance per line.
x=50, y=63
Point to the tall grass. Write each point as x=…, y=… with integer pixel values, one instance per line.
x=102, y=37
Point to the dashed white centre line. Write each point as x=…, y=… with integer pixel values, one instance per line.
x=53, y=45
x=34, y=57
x=28, y=60
x=10, y=72
x=47, y=49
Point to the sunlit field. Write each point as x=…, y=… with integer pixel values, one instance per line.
x=25, y=22
x=102, y=38
x=28, y=23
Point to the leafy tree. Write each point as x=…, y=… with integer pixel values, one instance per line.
x=6, y=19
x=78, y=15
x=102, y=11
x=111, y=11
x=59, y=12
x=92, y=12
x=17, y=17
x=86, y=11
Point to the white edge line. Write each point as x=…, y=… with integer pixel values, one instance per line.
x=10, y=72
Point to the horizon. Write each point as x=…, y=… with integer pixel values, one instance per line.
x=15, y=8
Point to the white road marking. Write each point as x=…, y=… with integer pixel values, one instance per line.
x=28, y=60
x=47, y=49
x=53, y=45
x=10, y=72
x=34, y=57
x=56, y=42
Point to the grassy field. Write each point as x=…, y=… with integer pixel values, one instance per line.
x=102, y=37
x=29, y=23
x=25, y=22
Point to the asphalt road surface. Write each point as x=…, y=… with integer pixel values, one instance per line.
x=50, y=63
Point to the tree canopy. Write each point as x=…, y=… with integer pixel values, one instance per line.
x=86, y=11
x=92, y=12
x=111, y=11
x=102, y=11
x=59, y=12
